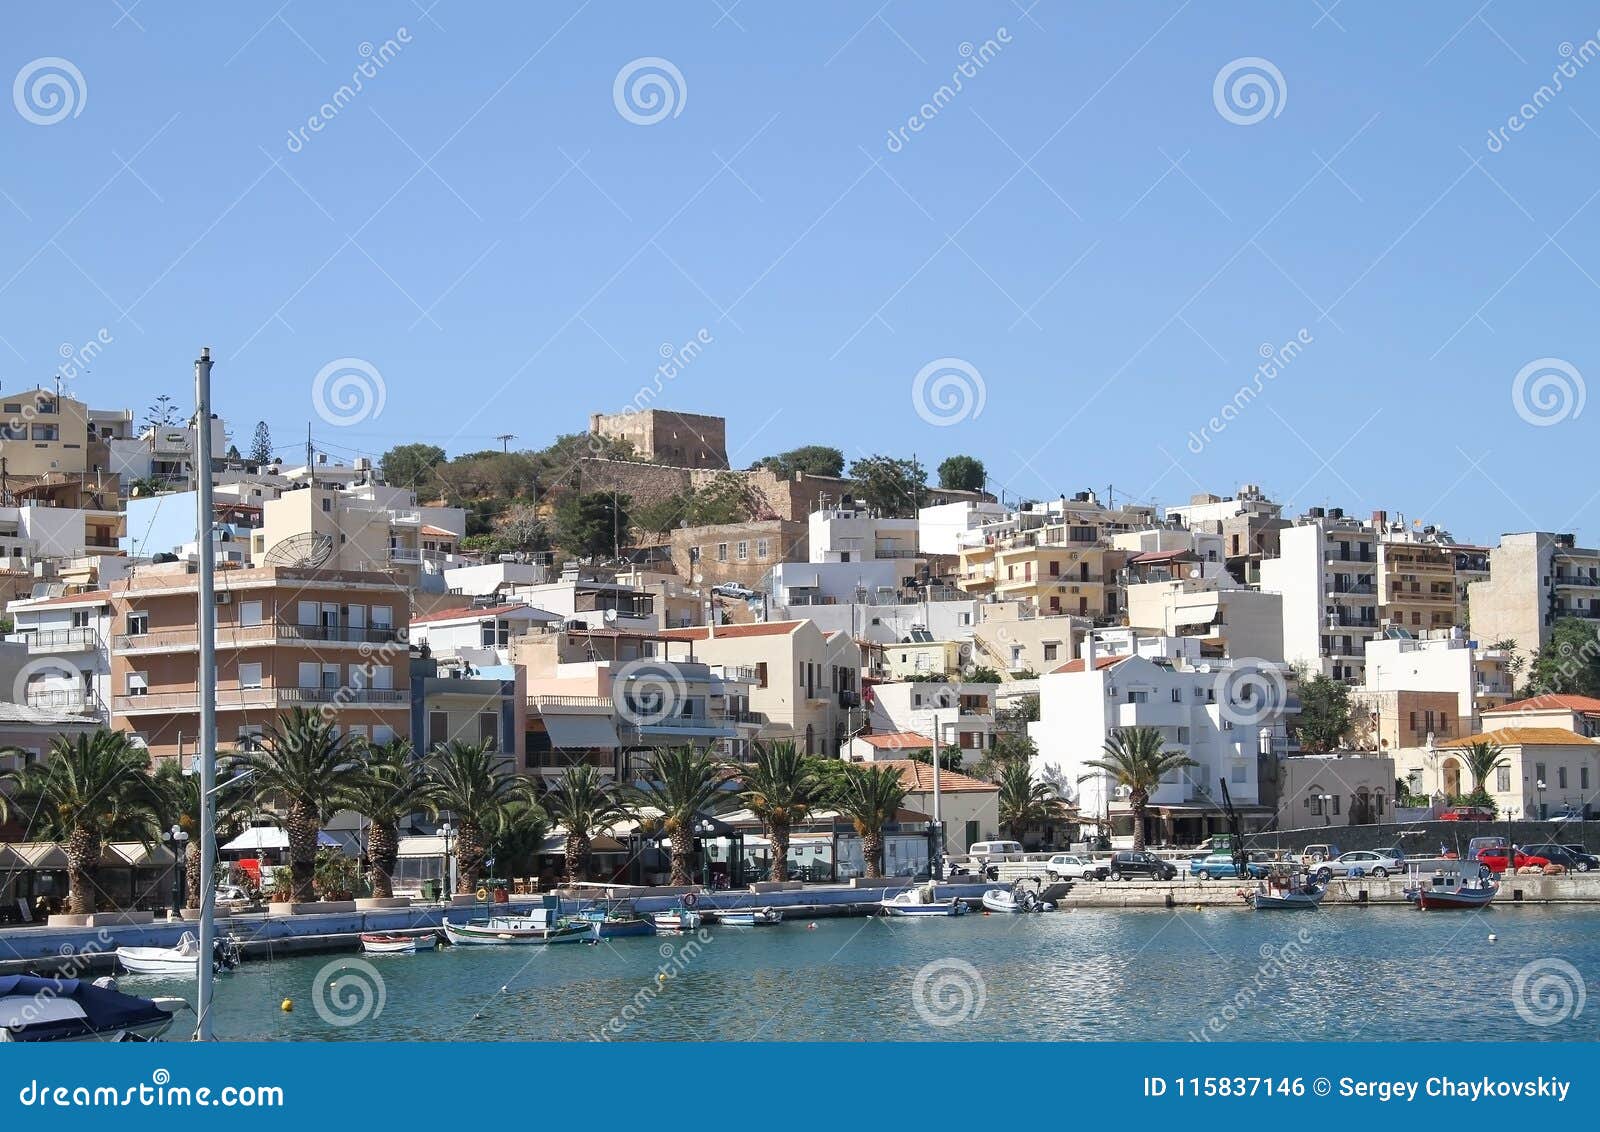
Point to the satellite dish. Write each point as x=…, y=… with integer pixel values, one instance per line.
x=1194, y=571
x=307, y=551
x=611, y=615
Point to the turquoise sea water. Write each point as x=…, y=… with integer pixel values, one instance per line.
x=1338, y=974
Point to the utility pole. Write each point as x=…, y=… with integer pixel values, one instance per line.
x=505, y=439
x=206, y=752
x=311, y=468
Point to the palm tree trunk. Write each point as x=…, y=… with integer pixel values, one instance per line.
x=577, y=850
x=872, y=853
x=1137, y=800
x=192, y=879
x=778, y=834
x=303, y=828
x=83, y=857
x=383, y=850
x=470, y=852
x=682, y=854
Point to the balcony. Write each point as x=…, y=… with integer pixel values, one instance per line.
x=542, y=702
x=1354, y=590
x=63, y=699
x=1579, y=580
x=57, y=641
x=234, y=699
x=269, y=633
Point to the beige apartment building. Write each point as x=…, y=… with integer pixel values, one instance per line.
x=1011, y=637
x=286, y=638
x=1536, y=578
x=1417, y=586
x=1056, y=578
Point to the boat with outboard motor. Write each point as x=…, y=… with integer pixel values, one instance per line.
x=182, y=959
x=921, y=902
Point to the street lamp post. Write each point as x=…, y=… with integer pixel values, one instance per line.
x=1327, y=801
x=179, y=841
x=445, y=887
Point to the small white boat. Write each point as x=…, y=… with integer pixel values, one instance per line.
x=393, y=943
x=749, y=917
x=515, y=930
x=183, y=959
x=1278, y=893
x=34, y=1009
x=676, y=920
x=1010, y=900
x=914, y=902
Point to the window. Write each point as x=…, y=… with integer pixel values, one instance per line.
x=250, y=675
x=249, y=613
x=1335, y=801
x=1502, y=778
x=438, y=728
x=489, y=729
x=138, y=623
x=327, y=504
x=1182, y=734
x=722, y=552
x=137, y=684
x=761, y=549
x=310, y=674
x=382, y=617
x=1561, y=777
x=1538, y=772
x=1583, y=778
x=382, y=733
x=761, y=674
x=741, y=551
x=1050, y=651
x=46, y=432
x=1237, y=773
x=1177, y=695
x=383, y=678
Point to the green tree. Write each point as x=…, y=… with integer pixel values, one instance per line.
x=474, y=784
x=949, y=757
x=307, y=771
x=893, y=488
x=395, y=786
x=261, y=445
x=779, y=788
x=870, y=796
x=88, y=790
x=1024, y=800
x=163, y=414
x=1134, y=758
x=1324, y=720
x=1006, y=750
x=983, y=674
x=410, y=465
x=593, y=524
x=1483, y=758
x=684, y=783
x=178, y=804
x=1569, y=664
x=810, y=459
x=582, y=803
x=962, y=473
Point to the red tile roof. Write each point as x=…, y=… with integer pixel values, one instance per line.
x=1099, y=663
x=1549, y=702
x=1524, y=737
x=897, y=740
x=759, y=629
x=918, y=777
x=468, y=614
x=437, y=532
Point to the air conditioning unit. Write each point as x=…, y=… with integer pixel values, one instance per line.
x=224, y=598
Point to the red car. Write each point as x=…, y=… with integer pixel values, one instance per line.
x=1467, y=813
x=1497, y=862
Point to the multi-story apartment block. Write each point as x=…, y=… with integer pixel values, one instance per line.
x=945, y=528
x=1247, y=523
x=663, y=436
x=479, y=634
x=1054, y=578
x=1417, y=587
x=584, y=595
x=1012, y=638
x=67, y=640
x=1222, y=716
x=1477, y=675
x=854, y=556
x=286, y=637
x=1226, y=618
x=163, y=457
x=959, y=713
x=1326, y=574
x=1536, y=578
x=807, y=683
x=453, y=701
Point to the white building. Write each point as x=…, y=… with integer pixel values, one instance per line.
x=1447, y=662
x=479, y=635
x=1326, y=572
x=165, y=456
x=943, y=529
x=1231, y=620
x=68, y=664
x=890, y=623
x=1222, y=716
x=964, y=713
x=855, y=557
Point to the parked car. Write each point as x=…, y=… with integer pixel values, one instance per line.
x=1070, y=866
x=1587, y=859
x=1213, y=865
x=733, y=589
x=1129, y=863
x=1467, y=813
x=1393, y=852
x=1480, y=845
x=988, y=849
x=1314, y=853
x=1495, y=859
x=1566, y=816
x=1360, y=862
x=1561, y=855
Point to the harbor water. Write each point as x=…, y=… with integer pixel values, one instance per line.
x=1224, y=975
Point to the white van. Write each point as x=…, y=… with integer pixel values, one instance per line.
x=989, y=849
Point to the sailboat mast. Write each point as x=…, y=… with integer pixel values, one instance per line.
x=206, y=751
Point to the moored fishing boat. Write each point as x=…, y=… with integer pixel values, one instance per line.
x=1451, y=891
x=183, y=959
x=34, y=1009
x=397, y=943
x=1012, y=900
x=749, y=917
x=530, y=929
x=1279, y=893
x=614, y=919
x=679, y=919
x=921, y=902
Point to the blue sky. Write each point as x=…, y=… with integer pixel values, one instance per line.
x=1080, y=225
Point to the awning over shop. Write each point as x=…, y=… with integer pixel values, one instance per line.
x=40, y=854
x=581, y=732
x=137, y=855
x=260, y=837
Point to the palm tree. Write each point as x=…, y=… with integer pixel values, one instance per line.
x=1024, y=800
x=8, y=776
x=870, y=796
x=1134, y=758
x=180, y=800
x=780, y=789
x=582, y=803
x=89, y=789
x=683, y=783
x=472, y=782
x=309, y=772
x=395, y=786
x=1483, y=758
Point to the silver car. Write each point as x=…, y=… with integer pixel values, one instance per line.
x=1360, y=862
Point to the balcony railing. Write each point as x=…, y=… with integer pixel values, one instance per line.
x=61, y=640
x=62, y=699
x=259, y=698
x=280, y=632
x=570, y=701
x=1575, y=580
